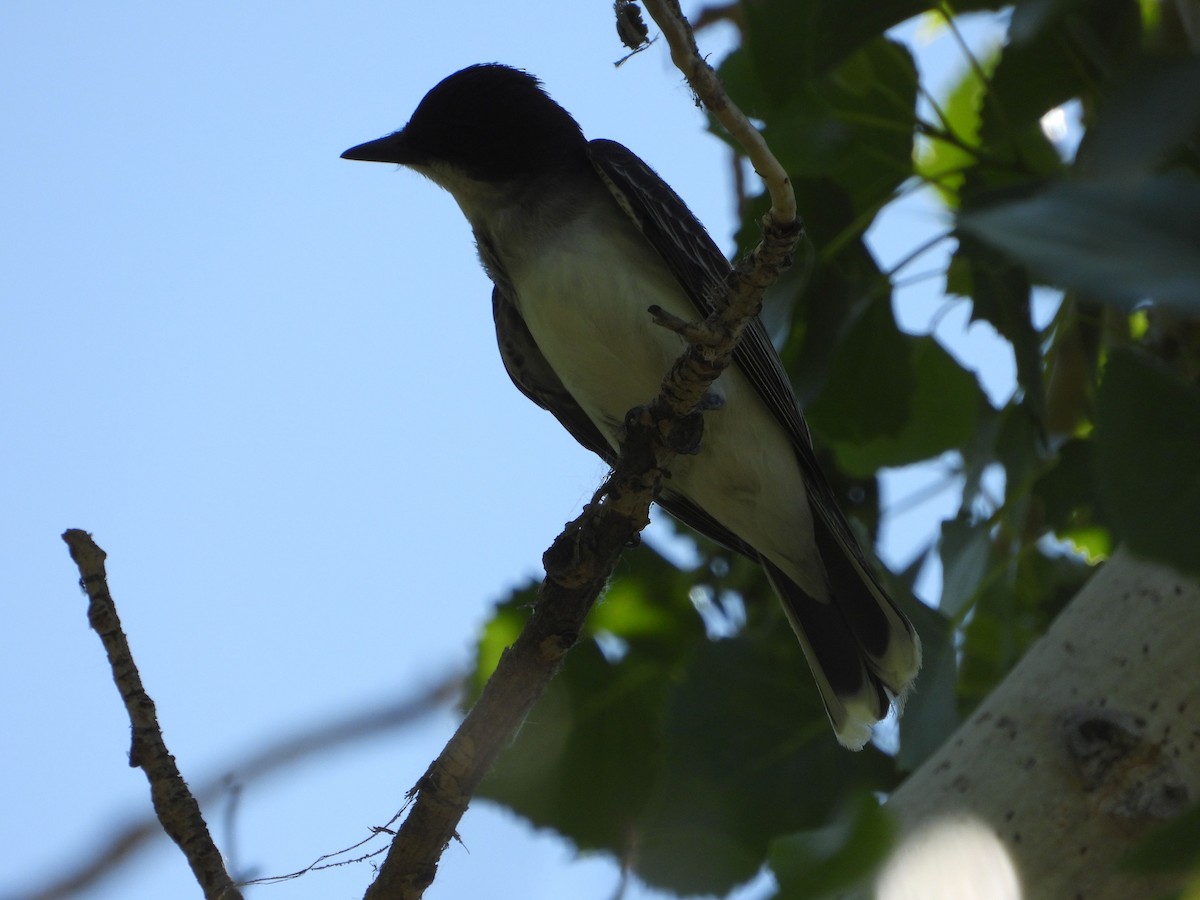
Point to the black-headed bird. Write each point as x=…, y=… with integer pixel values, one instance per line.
x=580, y=238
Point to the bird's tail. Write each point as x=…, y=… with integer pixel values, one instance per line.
x=863, y=652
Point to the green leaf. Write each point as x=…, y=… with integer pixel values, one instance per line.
x=844, y=854
x=965, y=549
x=1147, y=440
x=1031, y=17
x=1154, y=110
x=746, y=736
x=1067, y=491
x=931, y=713
x=1041, y=72
x=588, y=757
x=853, y=125
x=1000, y=295
x=1172, y=847
x=942, y=413
x=1020, y=447
x=647, y=606
x=498, y=634
x=1019, y=597
x=872, y=380
x=589, y=754
x=1125, y=242
x=942, y=162
x=791, y=40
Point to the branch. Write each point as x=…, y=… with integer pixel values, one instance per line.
x=704, y=81
x=174, y=805
x=578, y=565
x=581, y=560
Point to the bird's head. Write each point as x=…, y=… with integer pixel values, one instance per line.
x=490, y=123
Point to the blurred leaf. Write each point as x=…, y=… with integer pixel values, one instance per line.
x=587, y=758
x=1030, y=17
x=1122, y=242
x=1147, y=435
x=1171, y=847
x=846, y=282
x=979, y=453
x=1072, y=366
x=942, y=162
x=1094, y=542
x=791, y=40
x=845, y=853
x=1020, y=448
x=647, y=606
x=853, y=125
x=965, y=549
x=498, y=634
x=769, y=53
x=1019, y=598
x=1000, y=292
x=931, y=713
x=1152, y=112
x=745, y=736
x=871, y=383
x=941, y=415
x=1069, y=58
x=1067, y=490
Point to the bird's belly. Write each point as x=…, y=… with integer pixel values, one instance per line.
x=586, y=306
x=587, y=311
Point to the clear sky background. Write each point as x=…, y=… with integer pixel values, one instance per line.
x=266, y=380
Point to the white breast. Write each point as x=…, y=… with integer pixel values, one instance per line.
x=585, y=300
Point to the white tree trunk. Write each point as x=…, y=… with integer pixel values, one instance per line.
x=1092, y=740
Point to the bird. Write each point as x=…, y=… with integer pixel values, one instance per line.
x=580, y=238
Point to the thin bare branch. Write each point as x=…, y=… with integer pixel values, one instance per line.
x=174, y=804
x=707, y=86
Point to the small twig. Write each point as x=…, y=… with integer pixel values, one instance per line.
x=704, y=81
x=174, y=805
x=692, y=332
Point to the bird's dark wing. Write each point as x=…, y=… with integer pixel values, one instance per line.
x=697, y=519
x=534, y=377
x=700, y=267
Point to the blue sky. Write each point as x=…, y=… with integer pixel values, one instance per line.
x=266, y=380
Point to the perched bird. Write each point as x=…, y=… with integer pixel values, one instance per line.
x=579, y=238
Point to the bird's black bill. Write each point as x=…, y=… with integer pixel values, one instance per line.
x=386, y=149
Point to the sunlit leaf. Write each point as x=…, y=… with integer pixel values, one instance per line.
x=845, y=853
